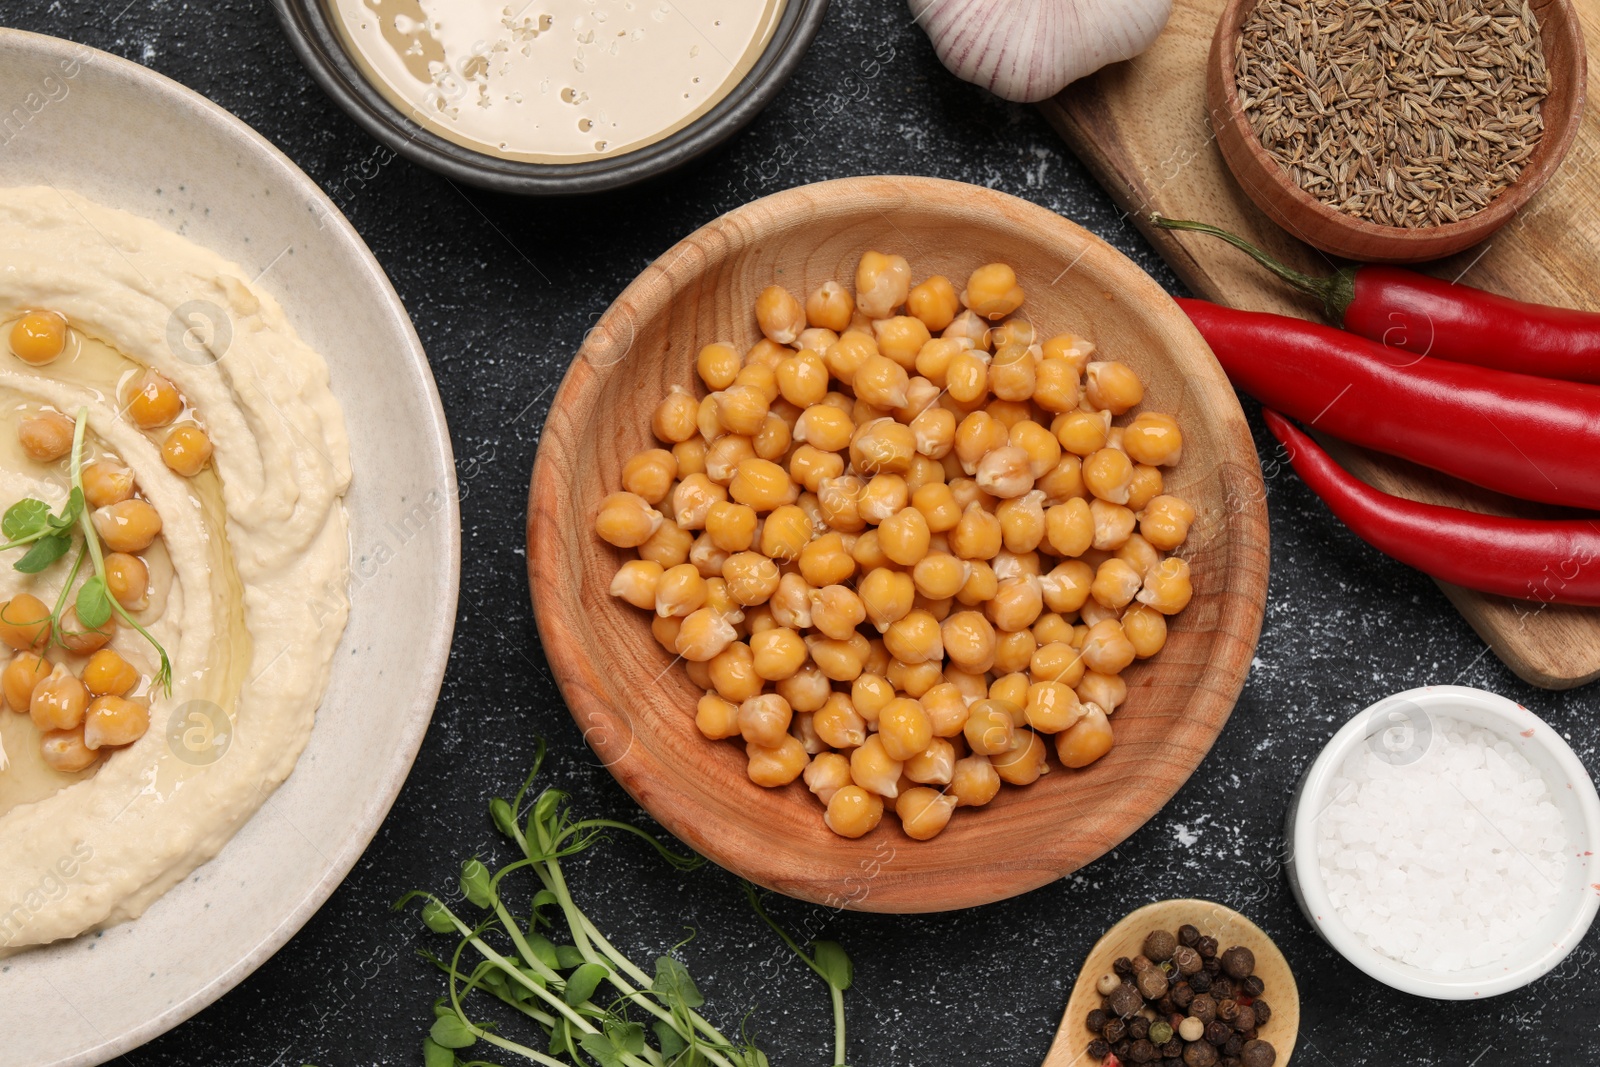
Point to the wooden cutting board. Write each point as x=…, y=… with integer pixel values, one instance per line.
x=1141, y=127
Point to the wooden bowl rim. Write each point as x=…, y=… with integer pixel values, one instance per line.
x=741, y=848
x=1546, y=159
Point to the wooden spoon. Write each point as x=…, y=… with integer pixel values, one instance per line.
x=1127, y=938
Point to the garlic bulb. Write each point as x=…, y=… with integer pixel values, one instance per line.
x=1026, y=50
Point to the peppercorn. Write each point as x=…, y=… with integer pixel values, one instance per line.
x=1192, y=1029
x=1230, y=1061
x=1206, y=946
x=1181, y=995
x=1173, y=1061
x=1263, y=1011
x=1165, y=1006
x=1160, y=1032
x=1097, y=1020
x=1204, y=1007
x=1152, y=983
x=1098, y=1049
x=1200, y=983
x=1200, y=1054
x=1227, y=1010
x=1120, y=1049
x=1222, y=988
x=1253, y=986
x=1188, y=935
x=1123, y=966
x=1115, y=1030
x=1140, y=963
x=1249, y=1035
x=1218, y=1032
x=1239, y=962
x=1246, y=1019
x=1212, y=965
x=1106, y=983
x=1173, y=1049
x=1142, y=1051
x=1233, y=1046
x=1159, y=945
x=1139, y=1028
x=1125, y=1001
x=1187, y=960
x=1258, y=1054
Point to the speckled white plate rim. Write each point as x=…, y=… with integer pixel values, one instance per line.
x=1311, y=894
x=425, y=665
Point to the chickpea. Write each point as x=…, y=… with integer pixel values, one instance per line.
x=1165, y=522
x=900, y=338
x=978, y=536
x=716, y=718
x=665, y=631
x=106, y=482
x=1145, y=487
x=624, y=519
x=1115, y=584
x=25, y=622
x=112, y=721
x=935, y=765
x=980, y=585
x=882, y=284
x=924, y=812
x=718, y=364
x=1112, y=386
x=1087, y=740
x=846, y=355
x=934, y=302
x=1062, y=482
x=691, y=456
x=967, y=376
x=1056, y=661
x=827, y=773
x=1107, y=649
x=760, y=484
x=1024, y=762
x=1154, y=439
x=20, y=677
x=839, y=500
x=152, y=400
x=886, y=596
x=779, y=315
x=806, y=690
x=1043, y=450
x=741, y=409
x=1167, y=587
x=873, y=769
x=973, y=781
x=1052, y=707
x=853, y=811
x=1016, y=603
x=778, y=653
x=760, y=363
x=991, y=726
x=671, y=545
x=38, y=337
x=940, y=575
x=904, y=729
x=76, y=637
x=680, y=591
x=969, y=641
x=839, y=724
x=882, y=445
x=733, y=673
x=1075, y=350
x=915, y=638
x=1022, y=523
x=1013, y=651
x=992, y=291
x=836, y=611
x=648, y=475
x=884, y=496
x=59, y=701
x=704, y=635
x=1056, y=385
x=764, y=720
x=904, y=536
x=1005, y=472
x=1146, y=629
x=867, y=552
x=977, y=435
x=47, y=436
x=724, y=456
x=1105, y=691
x=731, y=527
x=938, y=506
x=830, y=306
x=64, y=751
x=1011, y=373
x=1012, y=688
x=775, y=766
x=186, y=450
x=841, y=659
x=1108, y=474
x=810, y=466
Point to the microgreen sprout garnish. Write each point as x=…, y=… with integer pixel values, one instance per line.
x=589, y=1002
x=49, y=536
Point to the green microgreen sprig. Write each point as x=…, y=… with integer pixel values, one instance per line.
x=49, y=536
x=591, y=1004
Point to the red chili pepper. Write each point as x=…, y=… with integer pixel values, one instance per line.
x=1550, y=560
x=1418, y=313
x=1527, y=437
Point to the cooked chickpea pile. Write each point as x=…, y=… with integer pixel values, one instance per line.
x=904, y=544
x=97, y=708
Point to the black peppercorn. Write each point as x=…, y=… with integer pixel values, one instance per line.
x=1166, y=1005
x=1263, y=1011
x=1122, y=966
x=1233, y=1046
x=1222, y=988
x=1200, y=983
x=1200, y=1054
x=1227, y=1010
x=1239, y=962
x=1159, y=945
x=1206, y=946
x=1218, y=1032
x=1181, y=995
x=1139, y=1028
x=1253, y=986
x=1173, y=1061
x=1246, y=1019
x=1098, y=1049
x=1121, y=1048
x=1203, y=1007
x=1212, y=965
x=1152, y=983
x=1097, y=1020
x=1142, y=1051
x=1249, y=1035
x=1173, y=1049
x=1115, y=1030
x=1186, y=959
x=1140, y=963
x=1258, y=1054
x=1231, y=1061
x=1188, y=935
x=1125, y=1000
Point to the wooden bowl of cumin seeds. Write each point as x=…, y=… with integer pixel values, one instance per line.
x=1395, y=132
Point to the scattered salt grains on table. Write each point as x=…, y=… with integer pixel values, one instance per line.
x=1447, y=863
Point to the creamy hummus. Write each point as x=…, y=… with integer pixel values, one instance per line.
x=243, y=545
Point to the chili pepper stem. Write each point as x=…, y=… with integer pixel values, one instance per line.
x=1335, y=291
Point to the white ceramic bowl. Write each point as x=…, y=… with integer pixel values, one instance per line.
x=131, y=139
x=1401, y=724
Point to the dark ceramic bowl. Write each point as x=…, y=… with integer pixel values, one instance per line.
x=318, y=44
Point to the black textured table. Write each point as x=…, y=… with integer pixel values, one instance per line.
x=501, y=291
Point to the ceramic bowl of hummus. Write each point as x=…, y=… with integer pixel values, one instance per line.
x=559, y=97
x=229, y=556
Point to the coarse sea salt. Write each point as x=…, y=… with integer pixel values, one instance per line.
x=1449, y=862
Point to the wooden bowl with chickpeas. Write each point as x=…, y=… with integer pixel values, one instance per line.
x=897, y=544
